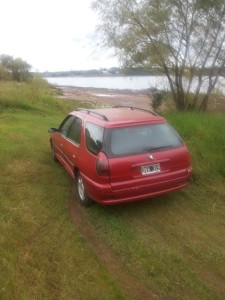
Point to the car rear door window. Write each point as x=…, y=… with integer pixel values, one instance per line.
x=94, y=137
x=74, y=132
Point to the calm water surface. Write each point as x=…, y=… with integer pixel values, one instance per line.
x=118, y=82
x=122, y=82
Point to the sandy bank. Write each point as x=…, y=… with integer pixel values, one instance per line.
x=106, y=97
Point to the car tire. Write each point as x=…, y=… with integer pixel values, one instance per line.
x=81, y=191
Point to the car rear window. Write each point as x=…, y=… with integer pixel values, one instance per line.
x=140, y=139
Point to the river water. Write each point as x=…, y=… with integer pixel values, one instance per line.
x=121, y=82
x=112, y=82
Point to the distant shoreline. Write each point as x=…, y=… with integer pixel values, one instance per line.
x=103, y=75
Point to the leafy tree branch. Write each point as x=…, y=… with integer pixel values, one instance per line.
x=184, y=39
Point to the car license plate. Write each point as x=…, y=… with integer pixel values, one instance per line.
x=150, y=169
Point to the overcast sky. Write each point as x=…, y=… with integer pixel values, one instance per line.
x=52, y=35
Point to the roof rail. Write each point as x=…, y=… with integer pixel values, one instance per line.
x=93, y=113
x=133, y=108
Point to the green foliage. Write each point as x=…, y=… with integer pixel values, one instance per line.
x=157, y=98
x=4, y=74
x=15, y=69
x=204, y=136
x=20, y=70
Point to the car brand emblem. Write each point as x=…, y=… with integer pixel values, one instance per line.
x=151, y=157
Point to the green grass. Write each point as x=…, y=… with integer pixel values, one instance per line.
x=173, y=245
x=42, y=254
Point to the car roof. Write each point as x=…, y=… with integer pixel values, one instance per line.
x=115, y=116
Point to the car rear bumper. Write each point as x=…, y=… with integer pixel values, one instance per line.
x=133, y=191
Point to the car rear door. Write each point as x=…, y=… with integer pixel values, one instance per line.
x=72, y=144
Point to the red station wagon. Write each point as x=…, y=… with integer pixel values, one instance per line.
x=120, y=154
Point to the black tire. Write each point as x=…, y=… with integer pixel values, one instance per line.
x=81, y=191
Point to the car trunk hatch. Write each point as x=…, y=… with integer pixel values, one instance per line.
x=148, y=166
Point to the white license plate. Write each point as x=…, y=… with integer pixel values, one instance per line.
x=150, y=169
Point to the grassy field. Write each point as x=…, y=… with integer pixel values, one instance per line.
x=171, y=245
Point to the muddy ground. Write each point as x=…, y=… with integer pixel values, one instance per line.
x=107, y=97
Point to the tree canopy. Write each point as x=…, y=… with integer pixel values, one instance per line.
x=15, y=69
x=184, y=39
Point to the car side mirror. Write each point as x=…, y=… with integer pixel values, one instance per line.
x=51, y=130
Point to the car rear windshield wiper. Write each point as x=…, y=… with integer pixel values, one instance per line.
x=158, y=148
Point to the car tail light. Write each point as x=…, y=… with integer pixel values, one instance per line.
x=102, y=165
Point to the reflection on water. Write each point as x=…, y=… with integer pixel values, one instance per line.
x=122, y=82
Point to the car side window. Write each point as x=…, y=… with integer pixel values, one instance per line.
x=74, y=133
x=65, y=126
x=94, y=137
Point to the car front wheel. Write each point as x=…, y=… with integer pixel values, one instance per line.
x=81, y=191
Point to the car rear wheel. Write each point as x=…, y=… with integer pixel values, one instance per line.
x=81, y=191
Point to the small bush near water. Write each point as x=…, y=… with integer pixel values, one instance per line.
x=157, y=97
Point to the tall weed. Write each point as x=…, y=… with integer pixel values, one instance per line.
x=205, y=136
x=32, y=95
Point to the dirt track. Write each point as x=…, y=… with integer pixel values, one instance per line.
x=112, y=263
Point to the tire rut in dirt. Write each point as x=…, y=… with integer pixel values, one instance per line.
x=129, y=284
